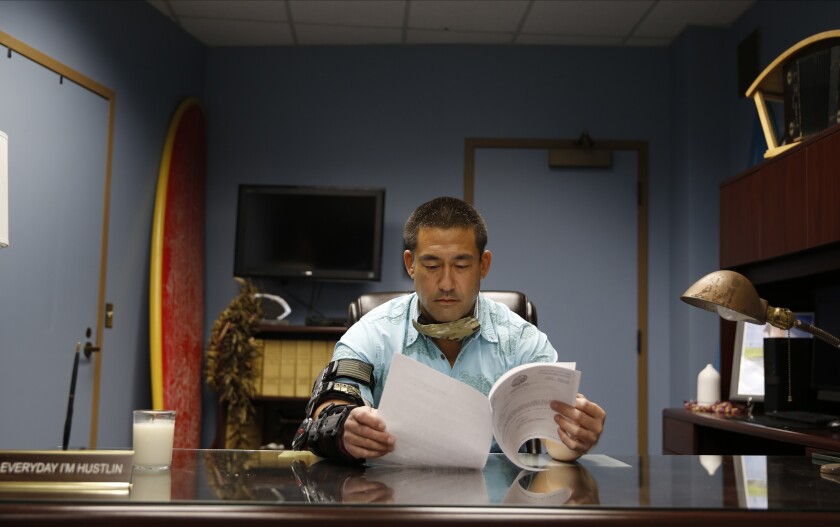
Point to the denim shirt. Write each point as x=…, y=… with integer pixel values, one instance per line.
x=503, y=341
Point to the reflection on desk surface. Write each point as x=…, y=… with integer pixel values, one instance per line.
x=791, y=420
x=627, y=482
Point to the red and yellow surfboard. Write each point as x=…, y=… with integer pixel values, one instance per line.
x=176, y=296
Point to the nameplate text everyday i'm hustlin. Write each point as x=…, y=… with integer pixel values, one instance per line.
x=60, y=468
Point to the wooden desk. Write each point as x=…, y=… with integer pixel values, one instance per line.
x=698, y=433
x=225, y=487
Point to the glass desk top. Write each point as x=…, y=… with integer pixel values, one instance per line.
x=272, y=482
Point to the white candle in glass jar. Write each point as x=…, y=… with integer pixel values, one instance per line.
x=153, y=443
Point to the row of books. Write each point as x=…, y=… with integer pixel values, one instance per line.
x=288, y=368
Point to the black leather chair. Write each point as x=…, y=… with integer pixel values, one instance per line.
x=516, y=301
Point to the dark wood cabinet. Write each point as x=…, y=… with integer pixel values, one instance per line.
x=780, y=227
x=823, y=169
x=685, y=432
x=783, y=211
x=784, y=205
x=740, y=221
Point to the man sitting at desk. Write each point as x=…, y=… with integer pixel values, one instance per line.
x=447, y=325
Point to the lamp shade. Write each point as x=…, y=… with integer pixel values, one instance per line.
x=730, y=295
x=734, y=298
x=4, y=190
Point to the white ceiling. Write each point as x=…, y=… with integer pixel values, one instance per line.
x=355, y=22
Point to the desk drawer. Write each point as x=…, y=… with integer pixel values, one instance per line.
x=678, y=437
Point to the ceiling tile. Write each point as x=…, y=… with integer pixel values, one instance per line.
x=560, y=22
x=648, y=42
x=670, y=17
x=430, y=36
x=368, y=13
x=316, y=34
x=238, y=32
x=585, y=17
x=262, y=10
x=568, y=40
x=471, y=15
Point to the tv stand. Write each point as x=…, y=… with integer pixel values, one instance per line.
x=694, y=433
x=329, y=322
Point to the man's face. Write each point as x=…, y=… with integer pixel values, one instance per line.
x=447, y=272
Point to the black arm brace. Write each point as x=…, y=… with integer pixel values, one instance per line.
x=322, y=436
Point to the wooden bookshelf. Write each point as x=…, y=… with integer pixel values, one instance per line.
x=290, y=357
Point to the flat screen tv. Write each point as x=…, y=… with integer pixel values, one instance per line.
x=326, y=233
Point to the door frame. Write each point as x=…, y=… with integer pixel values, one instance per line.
x=471, y=144
x=65, y=72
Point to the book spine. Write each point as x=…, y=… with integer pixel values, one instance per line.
x=288, y=360
x=303, y=368
x=317, y=364
x=271, y=368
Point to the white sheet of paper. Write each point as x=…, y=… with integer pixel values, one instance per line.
x=521, y=401
x=544, y=461
x=437, y=420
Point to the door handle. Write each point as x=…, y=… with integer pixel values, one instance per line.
x=89, y=348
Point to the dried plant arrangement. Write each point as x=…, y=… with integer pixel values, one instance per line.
x=230, y=360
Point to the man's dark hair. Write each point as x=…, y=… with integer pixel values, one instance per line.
x=445, y=213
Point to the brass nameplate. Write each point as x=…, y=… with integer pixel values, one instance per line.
x=41, y=470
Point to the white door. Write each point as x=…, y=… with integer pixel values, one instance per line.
x=567, y=238
x=49, y=274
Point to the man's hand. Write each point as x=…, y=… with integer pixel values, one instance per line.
x=365, y=436
x=359, y=489
x=578, y=426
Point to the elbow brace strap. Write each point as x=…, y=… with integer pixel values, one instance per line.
x=326, y=388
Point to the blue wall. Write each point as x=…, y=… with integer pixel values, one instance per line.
x=151, y=65
x=397, y=117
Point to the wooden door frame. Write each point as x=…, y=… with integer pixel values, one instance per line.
x=471, y=144
x=109, y=95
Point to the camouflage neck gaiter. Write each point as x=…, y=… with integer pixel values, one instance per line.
x=456, y=330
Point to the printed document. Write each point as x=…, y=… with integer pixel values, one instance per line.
x=440, y=421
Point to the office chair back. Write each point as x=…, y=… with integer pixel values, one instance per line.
x=514, y=300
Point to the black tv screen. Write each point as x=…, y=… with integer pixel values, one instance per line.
x=326, y=233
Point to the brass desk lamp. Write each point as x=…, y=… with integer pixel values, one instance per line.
x=733, y=297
